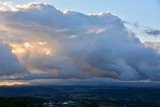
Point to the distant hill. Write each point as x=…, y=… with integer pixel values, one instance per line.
x=125, y=95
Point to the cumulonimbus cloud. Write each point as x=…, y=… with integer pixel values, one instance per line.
x=74, y=45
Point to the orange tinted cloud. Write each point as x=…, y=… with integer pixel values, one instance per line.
x=12, y=83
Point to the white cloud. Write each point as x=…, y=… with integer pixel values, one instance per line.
x=155, y=45
x=82, y=46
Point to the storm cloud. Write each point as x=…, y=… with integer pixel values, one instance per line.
x=153, y=32
x=66, y=45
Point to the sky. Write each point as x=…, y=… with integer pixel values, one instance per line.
x=79, y=41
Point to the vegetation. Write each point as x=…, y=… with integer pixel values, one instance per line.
x=18, y=102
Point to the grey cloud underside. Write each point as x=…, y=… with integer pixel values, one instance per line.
x=86, y=46
x=9, y=64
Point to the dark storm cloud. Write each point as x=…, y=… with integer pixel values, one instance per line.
x=152, y=32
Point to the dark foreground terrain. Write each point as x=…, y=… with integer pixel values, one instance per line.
x=79, y=96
